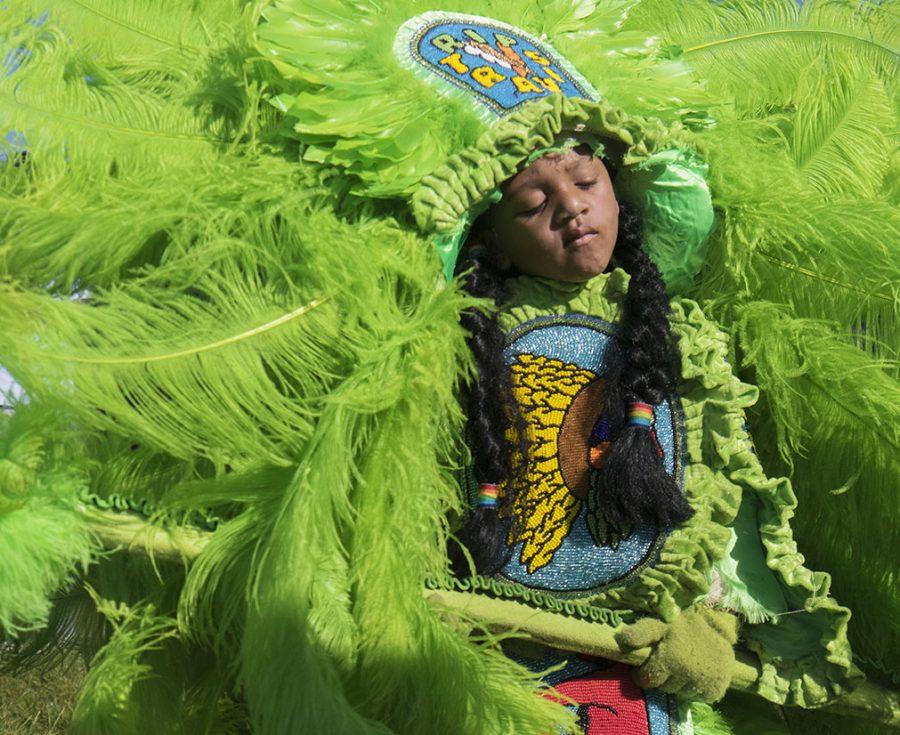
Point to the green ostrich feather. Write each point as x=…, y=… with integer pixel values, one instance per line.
x=344, y=402
x=44, y=542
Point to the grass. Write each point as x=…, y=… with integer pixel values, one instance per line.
x=39, y=703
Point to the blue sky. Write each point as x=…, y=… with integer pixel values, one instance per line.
x=7, y=384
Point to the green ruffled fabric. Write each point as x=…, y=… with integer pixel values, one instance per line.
x=804, y=653
x=508, y=590
x=146, y=508
x=470, y=176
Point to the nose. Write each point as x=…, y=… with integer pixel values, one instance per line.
x=571, y=202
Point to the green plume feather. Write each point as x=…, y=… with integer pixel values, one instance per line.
x=838, y=140
x=764, y=55
x=138, y=110
x=106, y=703
x=42, y=547
x=44, y=542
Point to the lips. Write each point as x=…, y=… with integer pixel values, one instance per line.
x=579, y=237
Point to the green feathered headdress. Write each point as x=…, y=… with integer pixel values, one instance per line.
x=442, y=107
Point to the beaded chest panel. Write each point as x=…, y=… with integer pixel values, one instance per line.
x=558, y=365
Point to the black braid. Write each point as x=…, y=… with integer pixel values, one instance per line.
x=633, y=486
x=651, y=354
x=491, y=409
x=487, y=413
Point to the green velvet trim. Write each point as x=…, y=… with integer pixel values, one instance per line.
x=145, y=508
x=534, y=598
x=804, y=652
x=531, y=297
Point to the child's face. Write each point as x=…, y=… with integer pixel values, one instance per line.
x=558, y=218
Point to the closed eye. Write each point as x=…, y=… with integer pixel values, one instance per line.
x=586, y=184
x=534, y=210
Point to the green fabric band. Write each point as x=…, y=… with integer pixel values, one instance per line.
x=568, y=144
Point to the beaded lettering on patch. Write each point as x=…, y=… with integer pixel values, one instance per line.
x=557, y=367
x=495, y=64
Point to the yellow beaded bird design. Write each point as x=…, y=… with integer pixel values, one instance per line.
x=560, y=403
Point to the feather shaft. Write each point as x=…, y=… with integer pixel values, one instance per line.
x=827, y=279
x=234, y=339
x=94, y=122
x=785, y=31
x=133, y=28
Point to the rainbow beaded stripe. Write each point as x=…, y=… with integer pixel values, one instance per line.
x=640, y=414
x=487, y=495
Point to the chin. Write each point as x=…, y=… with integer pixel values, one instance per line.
x=580, y=277
x=585, y=271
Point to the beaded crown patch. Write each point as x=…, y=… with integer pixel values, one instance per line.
x=496, y=65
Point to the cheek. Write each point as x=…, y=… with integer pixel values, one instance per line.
x=610, y=221
x=526, y=242
x=610, y=209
